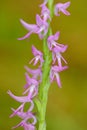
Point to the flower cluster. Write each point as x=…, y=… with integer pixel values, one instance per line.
x=56, y=49
x=34, y=77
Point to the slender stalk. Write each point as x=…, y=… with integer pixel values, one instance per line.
x=44, y=87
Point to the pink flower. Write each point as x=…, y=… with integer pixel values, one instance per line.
x=61, y=7
x=32, y=88
x=21, y=107
x=31, y=81
x=26, y=126
x=40, y=28
x=36, y=73
x=26, y=115
x=51, y=40
x=23, y=100
x=54, y=74
x=38, y=56
x=53, y=44
x=45, y=13
x=57, y=54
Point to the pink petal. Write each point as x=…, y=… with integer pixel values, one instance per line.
x=58, y=80
x=56, y=36
x=31, y=81
x=29, y=27
x=28, y=79
x=31, y=71
x=35, y=51
x=61, y=7
x=28, y=126
x=26, y=36
x=38, y=20
x=17, y=98
x=20, y=124
x=18, y=109
x=65, y=12
x=21, y=107
x=67, y=4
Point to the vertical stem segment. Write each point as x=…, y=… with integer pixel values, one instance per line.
x=44, y=87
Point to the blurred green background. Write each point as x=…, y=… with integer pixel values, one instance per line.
x=67, y=107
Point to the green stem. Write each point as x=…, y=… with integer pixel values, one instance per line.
x=44, y=87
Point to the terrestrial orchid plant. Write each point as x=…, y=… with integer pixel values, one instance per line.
x=38, y=80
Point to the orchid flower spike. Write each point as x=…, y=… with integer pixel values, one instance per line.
x=38, y=80
x=61, y=7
